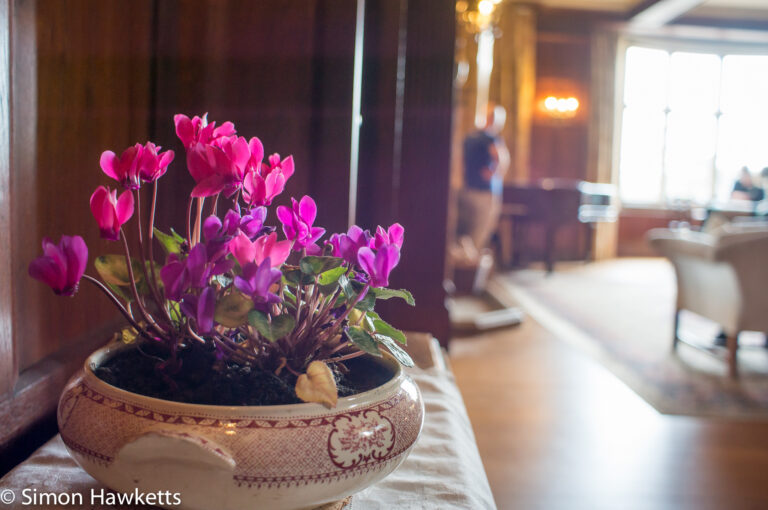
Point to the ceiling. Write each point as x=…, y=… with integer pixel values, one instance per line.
x=729, y=9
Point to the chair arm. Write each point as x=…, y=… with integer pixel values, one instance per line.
x=676, y=243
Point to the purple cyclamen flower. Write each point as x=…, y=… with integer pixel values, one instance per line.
x=249, y=224
x=379, y=264
x=194, y=272
x=200, y=308
x=393, y=235
x=61, y=266
x=347, y=245
x=297, y=223
x=256, y=281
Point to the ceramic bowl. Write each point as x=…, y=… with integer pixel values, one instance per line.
x=282, y=457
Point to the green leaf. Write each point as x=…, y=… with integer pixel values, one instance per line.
x=367, y=303
x=297, y=277
x=316, y=265
x=383, y=328
x=271, y=328
x=119, y=292
x=232, y=310
x=331, y=276
x=113, y=270
x=363, y=340
x=382, y=293
x=174, y=310
x=172, y=243
x=397, y=351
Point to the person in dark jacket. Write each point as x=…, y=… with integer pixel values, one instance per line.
x=486, y=160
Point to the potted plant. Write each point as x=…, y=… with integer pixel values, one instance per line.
x=253, y=369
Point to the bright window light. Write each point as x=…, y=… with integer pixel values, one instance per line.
x=690, y=122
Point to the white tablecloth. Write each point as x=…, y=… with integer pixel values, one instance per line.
x=443, y=471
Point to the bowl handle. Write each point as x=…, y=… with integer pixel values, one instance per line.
x=158, y=446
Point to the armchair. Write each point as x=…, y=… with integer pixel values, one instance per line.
x=722, y=276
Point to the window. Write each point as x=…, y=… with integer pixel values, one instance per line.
x=689, y=123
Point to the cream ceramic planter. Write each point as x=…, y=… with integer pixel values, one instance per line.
x=219, y=457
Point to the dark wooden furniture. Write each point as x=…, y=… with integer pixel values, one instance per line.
x=548, y=205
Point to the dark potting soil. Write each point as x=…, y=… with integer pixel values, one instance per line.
x=197, y=382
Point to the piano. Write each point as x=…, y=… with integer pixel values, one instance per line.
x=550, y=204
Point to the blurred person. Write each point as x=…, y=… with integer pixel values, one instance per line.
x=486, y=160
x=745, y=189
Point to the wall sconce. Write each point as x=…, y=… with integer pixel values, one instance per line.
x=560, y=107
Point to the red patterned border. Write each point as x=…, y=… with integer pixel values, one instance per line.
x=95, y=456
x=206, y=421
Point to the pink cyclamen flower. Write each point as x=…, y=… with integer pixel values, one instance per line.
x=347, y=245
x=297, y=222
x=61, y=266
x=124, y=169
x=262, y=248
x=285, y=166
x=393, y=235
x=152, y=163
x=198, y=130
x=264, y=182
x=111, y=212
x=217, y=169
x=377, y=265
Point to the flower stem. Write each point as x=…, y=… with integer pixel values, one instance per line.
x=147, y=317
x=189, y=221
x=344, y=358
x=103, y=288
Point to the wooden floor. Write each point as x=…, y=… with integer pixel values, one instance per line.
x=558, y=431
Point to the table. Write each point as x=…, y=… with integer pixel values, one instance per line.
x=443, y=471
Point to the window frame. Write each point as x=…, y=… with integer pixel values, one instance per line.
x=742, y=45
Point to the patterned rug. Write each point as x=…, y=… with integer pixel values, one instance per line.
x=621, y=312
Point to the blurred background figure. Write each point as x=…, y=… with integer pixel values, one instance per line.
x=745, y=189
x=486, y=160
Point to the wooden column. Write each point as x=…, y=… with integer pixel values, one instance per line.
x=600, y=167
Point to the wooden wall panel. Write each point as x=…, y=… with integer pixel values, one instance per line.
x=280, y=70
x=414, y=189
x=91, y=94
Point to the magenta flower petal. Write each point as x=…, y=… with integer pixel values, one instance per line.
x=242, y=249
x=206, y=306
x=211, y=227
x=110, y=212
x=378, y=265
x=256, y=148
x=110, y=164
x=184, y=129
x=124, y=207
x=307, y=210
x=61, y=266
x=287, y=166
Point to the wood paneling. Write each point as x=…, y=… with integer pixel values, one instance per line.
x=80, y=84
x=91, y=94
x=280, y=70
x=414, y=189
